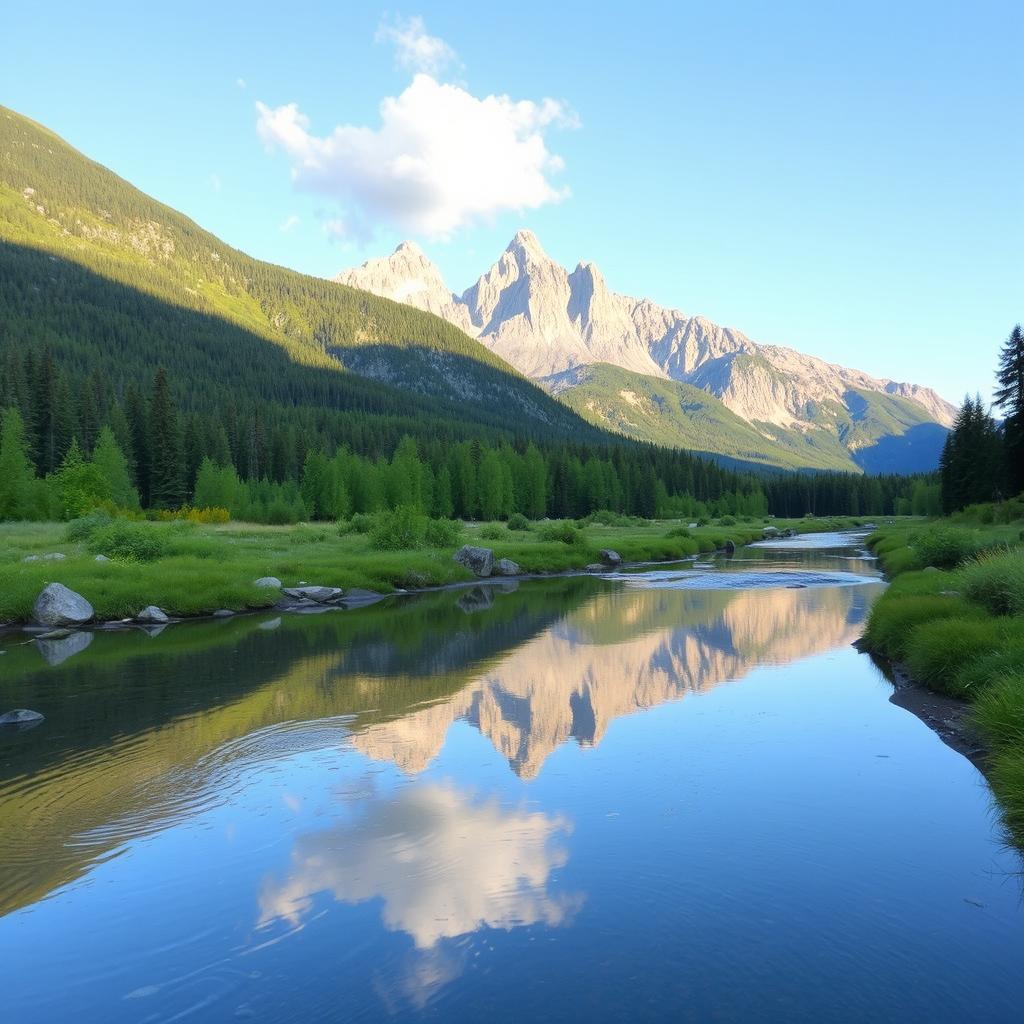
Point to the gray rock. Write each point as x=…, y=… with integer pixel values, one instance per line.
x=58, y=649
x=270, y=624
x=311, y=593
x=54, y=556
x=152, y=616
x=269, y=581
x=931, y=568
x=101, y=558
x=31, y=558
x=357, y=597
x=223, y=613
x=56, y=605
x=610, y=557
x=20, y=716
x=506, y=567
x=479, y=561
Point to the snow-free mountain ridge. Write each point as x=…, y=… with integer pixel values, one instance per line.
x=550, y=323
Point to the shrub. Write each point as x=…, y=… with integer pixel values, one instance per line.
x=946, y=547
x=362, y=522
x=399, y=529
x=565, y=533
x=85, y=526
x=136, y=542
x=996, y=582
x=492, y=531
x=703, y=521
x=937, y=652
x=306, y=534
x=442, y=533
x=517, y=521
x=727, y=521
x=678, y=531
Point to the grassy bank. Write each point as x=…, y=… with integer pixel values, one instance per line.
x=953, y=618
x=194, y=569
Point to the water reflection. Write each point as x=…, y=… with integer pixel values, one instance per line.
x=443, y=864
x=162, y=729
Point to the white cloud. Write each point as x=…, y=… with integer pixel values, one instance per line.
x=441, y=158
x=415, y=49
x=240, y=82
x=289, y=222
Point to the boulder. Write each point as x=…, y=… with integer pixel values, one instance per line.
x=101, y=558
x=20, y=716
x=56, y=605
x=268, y=581
x=479, y=561
x=357, y=597
x=610, y=557
x=31, y=558
x=506, y=567
x=152, y=616
x=312, y=593
x=54, y=556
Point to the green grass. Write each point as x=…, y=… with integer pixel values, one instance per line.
x=190, y=569
x=959, y=628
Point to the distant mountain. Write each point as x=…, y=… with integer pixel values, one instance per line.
x=551, y=324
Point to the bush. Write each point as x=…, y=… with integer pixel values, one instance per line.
x=399, y=529
x=306, y=534
x=492, y=531
x=678, y=531
x=727, y=521
x=136, y=542
x=937, y=652
x=946, y=547
x=85, y=526
x=362, y=522
x=703, y=521
x=517, y=521
x=565, y=533
x=442, y=533
x=996, y=582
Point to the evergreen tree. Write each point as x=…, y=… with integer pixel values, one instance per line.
x=16, y=474
x=167, y=468
x=112, y=466
x=1009, y=398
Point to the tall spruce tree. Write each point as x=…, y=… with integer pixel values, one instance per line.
x=972, y=458
x=167, y=466
x=1009, y=398
x=16, y=474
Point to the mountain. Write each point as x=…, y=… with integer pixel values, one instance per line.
x=552, y=324
x=116, y=284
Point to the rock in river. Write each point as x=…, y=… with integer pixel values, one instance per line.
x=479, y=561
x=58, y=606
x=610, y=557
x=319, y=594
x=21, y=716
x=152, y=616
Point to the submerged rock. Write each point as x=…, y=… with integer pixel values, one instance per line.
x=21, y=717
x=56, y=605
x=223, y=613
x=311, y=593
x=268, y=581
x=357, y=597
x=152, y=616
x=479, y=561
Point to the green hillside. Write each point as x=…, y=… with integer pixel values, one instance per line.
x=674, y=414
x=108, y=278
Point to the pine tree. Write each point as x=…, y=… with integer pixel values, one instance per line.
x=16, y=474
x=1009, y=398
x=113, y=467
x=167, y=470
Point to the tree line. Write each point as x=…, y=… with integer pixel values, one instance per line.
x=983, y=459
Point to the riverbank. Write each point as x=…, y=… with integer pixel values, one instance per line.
x=952, y=622
x=189, y=569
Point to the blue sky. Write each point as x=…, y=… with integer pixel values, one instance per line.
x=845, y=179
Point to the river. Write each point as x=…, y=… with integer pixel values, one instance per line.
x=676, y=794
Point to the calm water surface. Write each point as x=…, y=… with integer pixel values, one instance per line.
x=669, y=795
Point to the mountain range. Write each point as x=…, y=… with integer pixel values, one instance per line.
x=661, y=375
